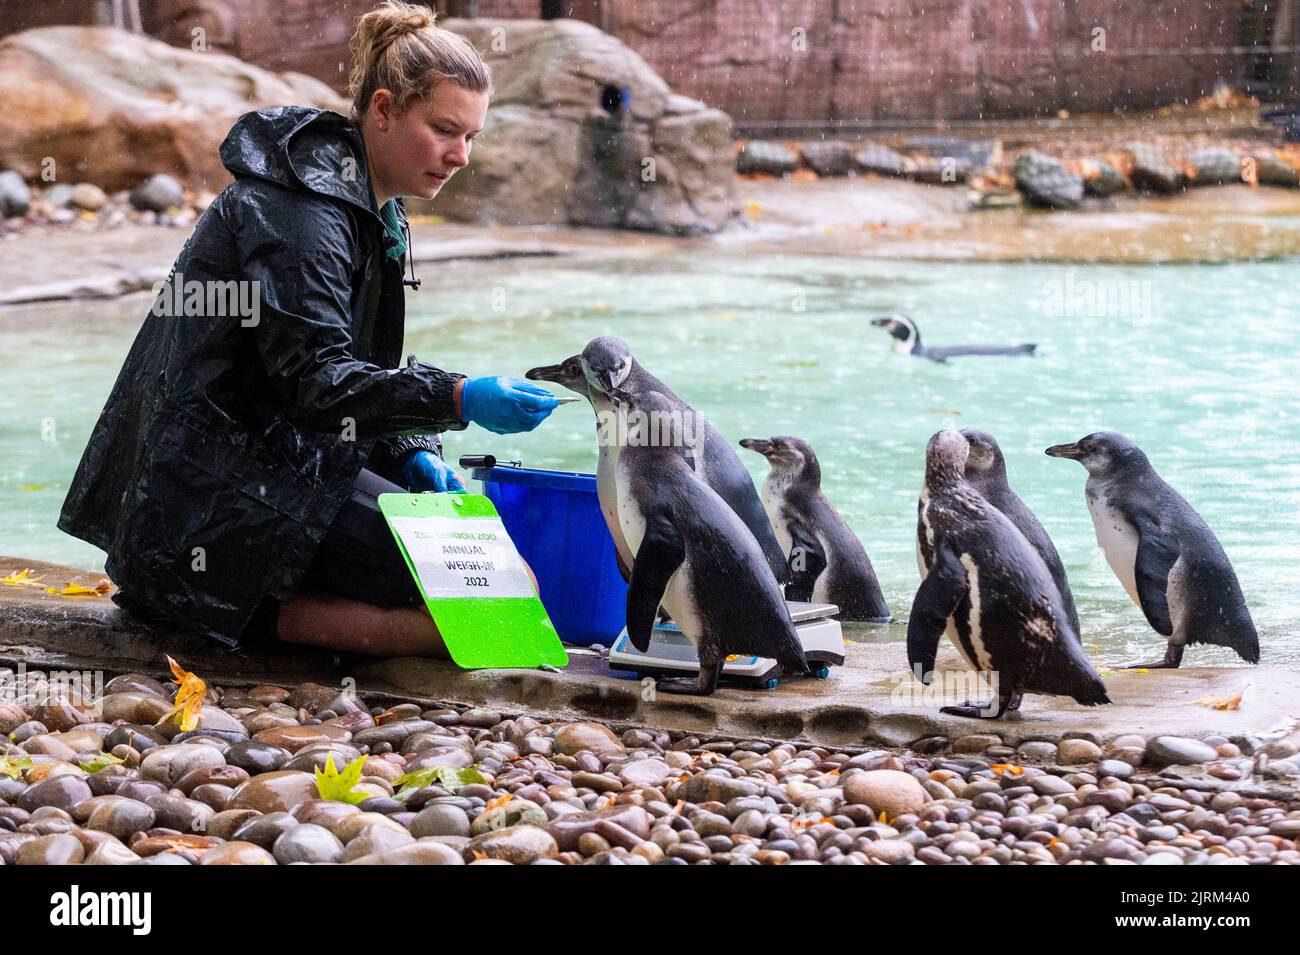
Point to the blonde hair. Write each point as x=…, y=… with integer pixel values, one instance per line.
x=397, y=47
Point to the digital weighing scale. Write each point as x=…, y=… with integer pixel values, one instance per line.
x=671, y=652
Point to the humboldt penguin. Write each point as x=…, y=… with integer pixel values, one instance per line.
x=986, y=469
x=989, y=590
x=908, y=340
x=826, y=562
x=1163, y=553
x=607, y=363
x=693, y=554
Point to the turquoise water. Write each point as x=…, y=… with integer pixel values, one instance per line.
x=1197, y=363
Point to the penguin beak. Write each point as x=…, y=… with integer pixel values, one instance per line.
x=880, y=322
x=760, y=445
x=1070, y=451
x=555, y=373
x=545, y=373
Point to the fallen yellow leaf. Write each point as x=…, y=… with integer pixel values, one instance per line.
x=21, y=578
x=189, y=698
x=76, y=590
x=1220, y=702
x=1010, y=768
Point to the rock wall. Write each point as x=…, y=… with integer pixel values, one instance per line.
x=113, y=108
x=860, y=59
x=891, y=59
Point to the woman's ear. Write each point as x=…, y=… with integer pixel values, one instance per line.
x=381, y=109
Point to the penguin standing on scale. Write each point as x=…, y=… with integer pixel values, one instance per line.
x=827, y=562
x=692, y=554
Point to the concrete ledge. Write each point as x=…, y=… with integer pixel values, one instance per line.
x=860, y=704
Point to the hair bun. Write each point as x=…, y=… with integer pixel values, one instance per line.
x=395, y=19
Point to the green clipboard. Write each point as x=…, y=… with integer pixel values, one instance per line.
x=473, y=580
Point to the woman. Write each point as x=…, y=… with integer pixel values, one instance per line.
x=233, y=472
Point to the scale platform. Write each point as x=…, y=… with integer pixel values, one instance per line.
x=671, y=652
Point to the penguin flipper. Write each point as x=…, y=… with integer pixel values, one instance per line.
x=1156, y=556
x=935, y=601
x=658, y=558
x=807, y=562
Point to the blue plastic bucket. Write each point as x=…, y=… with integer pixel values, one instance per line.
x=554, y=519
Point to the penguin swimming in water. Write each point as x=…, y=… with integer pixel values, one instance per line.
x=986, y=469
x=908, y=339
x=607, y=363
x=693, y=554
x=1164, y=554
x=987, y=588
x=827, y=562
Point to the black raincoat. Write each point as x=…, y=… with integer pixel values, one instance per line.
x=230, y=438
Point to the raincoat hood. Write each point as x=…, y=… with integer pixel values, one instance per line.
x=301, y=148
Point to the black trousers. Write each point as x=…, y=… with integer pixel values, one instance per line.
x=358, y=558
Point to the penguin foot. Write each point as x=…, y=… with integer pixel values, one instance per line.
x=1173, y=657
x=972, y=710
x=683, y=687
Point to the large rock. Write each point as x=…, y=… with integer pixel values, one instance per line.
x=1178, y=751
x=1214, y=166
x=829, y=158
x=15, y=196
x=764, y=158
x=885, y=790
x=1101, y=179
x=883, y=161
x=1271, y=169
x=1047, y=183
x=1151, y=170
x=113, y=108
x=562, y=146
x=593, y=737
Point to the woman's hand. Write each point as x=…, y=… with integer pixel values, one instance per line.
x=425, y=471
x=505, y=405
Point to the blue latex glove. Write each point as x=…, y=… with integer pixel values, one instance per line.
x=425, y=471
x=505, y=405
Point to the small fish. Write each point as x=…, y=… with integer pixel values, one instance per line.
x=566, y=400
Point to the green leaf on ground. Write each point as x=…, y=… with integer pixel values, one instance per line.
x=448, y=777
x=337, y=785
x=15, y=766
x=99, y=761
